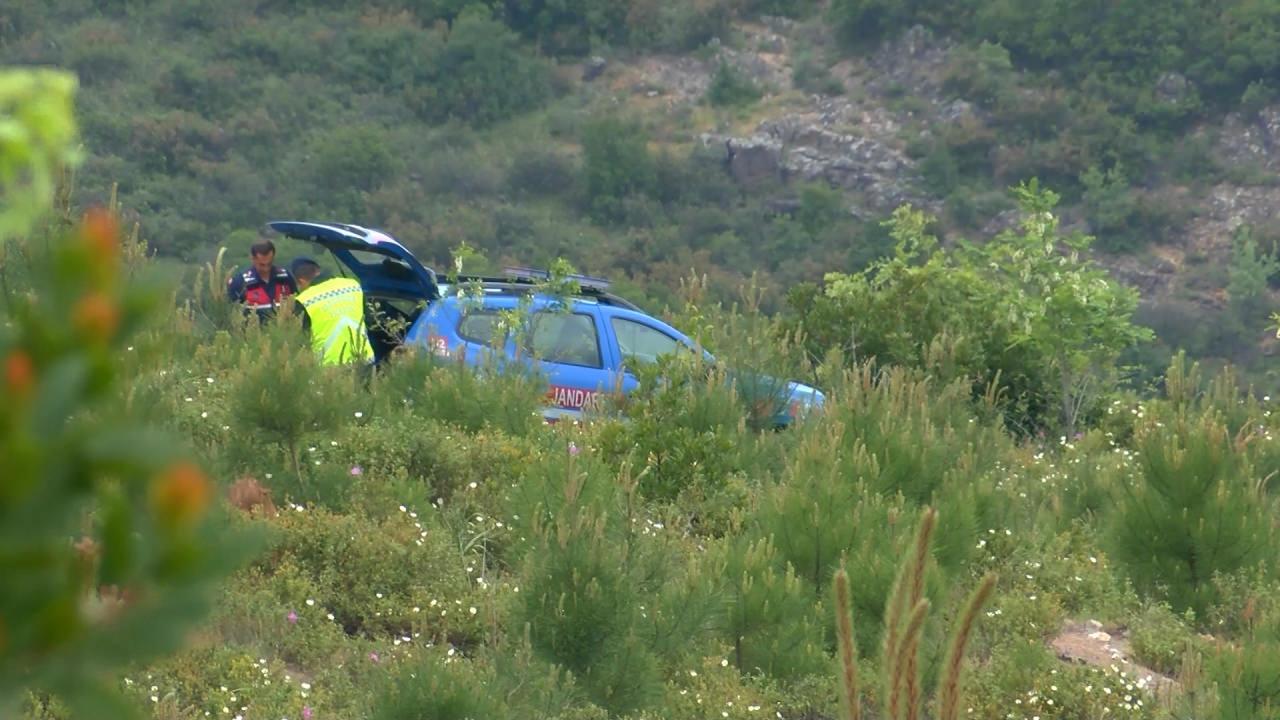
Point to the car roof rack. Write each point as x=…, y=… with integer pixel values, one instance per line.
x=528, y=273
x=524, y=279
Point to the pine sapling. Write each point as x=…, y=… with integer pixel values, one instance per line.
x=908, y=594
x=949, y=698
x=905, y=699
x=848, y=648
x=919, y=562
x=892, y=621
x=903, y=695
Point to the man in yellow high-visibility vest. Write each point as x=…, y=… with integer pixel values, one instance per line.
x=333, y=311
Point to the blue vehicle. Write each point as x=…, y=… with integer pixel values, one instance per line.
x=584, y=352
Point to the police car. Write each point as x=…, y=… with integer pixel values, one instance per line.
x=583, y=352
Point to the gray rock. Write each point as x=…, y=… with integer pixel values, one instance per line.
x=751, y=160
x=957, y=111
x=1252, y=139
x=777, y=23
x=1173, y=88
x=805, y=147
x=917, y=41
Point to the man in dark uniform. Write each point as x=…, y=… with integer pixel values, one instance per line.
x=262, y=286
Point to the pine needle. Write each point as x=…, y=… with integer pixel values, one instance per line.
x=949, y=698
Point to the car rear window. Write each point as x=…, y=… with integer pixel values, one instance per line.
x=565, y=338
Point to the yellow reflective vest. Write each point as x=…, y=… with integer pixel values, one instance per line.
x=336, y=310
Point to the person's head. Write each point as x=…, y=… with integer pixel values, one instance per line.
x=305, y=271
x=263, y=254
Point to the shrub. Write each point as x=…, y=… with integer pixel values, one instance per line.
x=1248, y=677
x=386, y=576
x=441, y=460
x=860, y=23
x=677, y=26
x=616, y=165
x=682, y=426
x=537, y=170
x=1250, y=272
x=508, y=398
x=348, y=162
x=582, y=597
x=436, y=687
x=1190, y=513
x=730, y=87
x=771, y=624
x=1112, y=209
x=983, y=74
x=1160, y=638
x=918, y=437
x=482, y=75
x=1026, y=674
x=275, y=376
x=821, y=206
x=841, y=508
x=814, y=75
x=211, y=677
x=785, y=8
x=467, y=175
x=981, y=314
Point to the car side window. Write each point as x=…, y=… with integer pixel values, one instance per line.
x=641, y=342
x=569, y=338
x=479, y=327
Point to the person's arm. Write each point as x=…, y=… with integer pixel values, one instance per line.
x=306, y=319
x=235, y=288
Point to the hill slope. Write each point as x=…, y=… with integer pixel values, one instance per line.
x=705, y=135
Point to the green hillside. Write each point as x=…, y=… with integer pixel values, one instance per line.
x=476, y=123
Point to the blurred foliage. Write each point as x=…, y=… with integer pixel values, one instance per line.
x=107, y=546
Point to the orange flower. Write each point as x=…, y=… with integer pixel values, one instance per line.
x=101, y=232
x=19, y=373
x=180, y=495
x=96, y=316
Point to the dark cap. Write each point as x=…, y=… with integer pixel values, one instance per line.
x=262, y=247
x=299, y=262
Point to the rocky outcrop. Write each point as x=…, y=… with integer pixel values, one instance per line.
x=808, y=146
x=1090, y=644
x=856, y=141
x=1252, y=140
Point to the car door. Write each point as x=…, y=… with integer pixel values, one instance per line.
x=381, y=264
x=569, y=349
x=635, y=338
